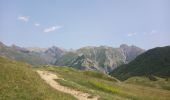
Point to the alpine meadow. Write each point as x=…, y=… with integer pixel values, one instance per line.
x=85, y=50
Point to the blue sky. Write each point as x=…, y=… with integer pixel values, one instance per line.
x=77, y=23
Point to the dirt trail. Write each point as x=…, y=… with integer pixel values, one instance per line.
x=49, y=78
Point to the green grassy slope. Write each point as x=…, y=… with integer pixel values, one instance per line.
x=160, y=83
x=108, y=88
x=19, y=82
x=154, y=62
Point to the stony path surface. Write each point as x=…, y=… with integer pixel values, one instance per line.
x=49, y=78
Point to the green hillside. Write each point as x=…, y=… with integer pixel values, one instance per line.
x=105, y=86
x=160, y=83
x=154, y=62
x=19, y=82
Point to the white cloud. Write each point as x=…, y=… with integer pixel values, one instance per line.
x=51, y=29
x=37, y=24
x=151, y=32
x=131, y=34
x=142, y=33
x=24, y=18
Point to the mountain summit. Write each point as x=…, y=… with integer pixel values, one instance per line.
x=102, y=58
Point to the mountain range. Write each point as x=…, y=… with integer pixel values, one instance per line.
x=36, y=56
x=102, y=58
x=154, y=62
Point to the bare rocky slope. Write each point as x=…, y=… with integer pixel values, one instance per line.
x=102, y=58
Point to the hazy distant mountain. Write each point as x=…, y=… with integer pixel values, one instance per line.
x=154, y=62
x=21, y=54
x=36, y=49
x=101, y=58
x=30, y=56
x=54, y=53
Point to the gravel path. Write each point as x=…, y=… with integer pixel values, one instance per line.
x=49, y=78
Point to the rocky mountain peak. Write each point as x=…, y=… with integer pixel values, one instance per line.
x=124, y=46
